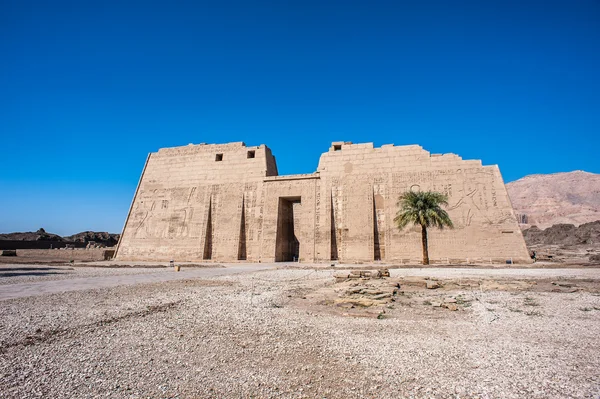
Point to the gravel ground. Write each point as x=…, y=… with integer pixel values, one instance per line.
x=18, y=273
x=254, y=335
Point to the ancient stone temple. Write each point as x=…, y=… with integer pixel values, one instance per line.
x=227, y=203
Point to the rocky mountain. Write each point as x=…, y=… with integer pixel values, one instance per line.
x=39, y=235
x=587, y=234
x=559, y=198
x=105, y=238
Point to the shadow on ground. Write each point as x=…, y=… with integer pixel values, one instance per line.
x=30, y=271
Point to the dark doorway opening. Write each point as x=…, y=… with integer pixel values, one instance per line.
x=287, y=244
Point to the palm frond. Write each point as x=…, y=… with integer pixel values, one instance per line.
x=422, y=208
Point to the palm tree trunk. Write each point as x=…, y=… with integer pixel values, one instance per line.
x=424, y=242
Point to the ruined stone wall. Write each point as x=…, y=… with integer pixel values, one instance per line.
x=64, y=255
x=227, y=203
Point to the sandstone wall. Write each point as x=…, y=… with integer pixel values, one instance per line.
x=226, y=203
x=364, y=184
x=188, y=205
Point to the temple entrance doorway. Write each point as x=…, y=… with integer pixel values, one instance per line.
x=287, y=244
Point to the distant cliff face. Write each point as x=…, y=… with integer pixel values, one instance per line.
x=40, y=235
x=545, y=200
x=107, y=239
x=587, y=234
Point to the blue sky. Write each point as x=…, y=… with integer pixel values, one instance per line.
x=88, y=88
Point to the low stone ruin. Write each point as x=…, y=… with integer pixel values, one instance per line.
x=356, y=274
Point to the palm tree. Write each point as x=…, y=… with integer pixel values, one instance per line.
x=423, y=209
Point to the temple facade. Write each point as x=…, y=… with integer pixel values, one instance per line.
x=227, y=203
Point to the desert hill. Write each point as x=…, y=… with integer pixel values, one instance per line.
x=559, y=198
x=587, y=234
x=40, y=235
x=105, y=238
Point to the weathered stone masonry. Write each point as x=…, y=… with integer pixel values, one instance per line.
x=226, y=202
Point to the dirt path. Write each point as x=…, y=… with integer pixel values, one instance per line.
x=20, y=290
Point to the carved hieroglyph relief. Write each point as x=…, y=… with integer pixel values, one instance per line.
x=226, y=202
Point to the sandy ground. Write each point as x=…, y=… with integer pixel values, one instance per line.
x=295, y=333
